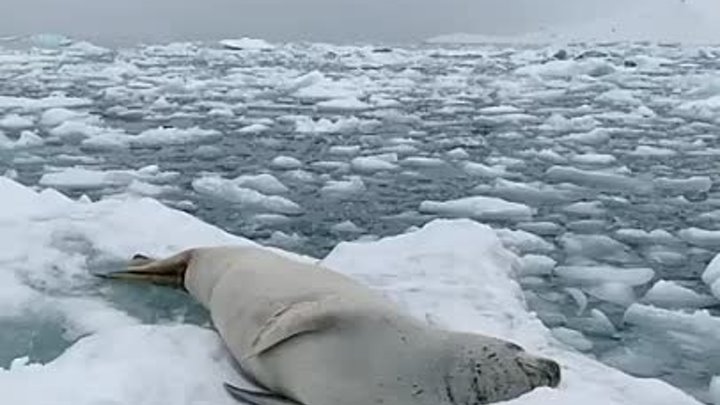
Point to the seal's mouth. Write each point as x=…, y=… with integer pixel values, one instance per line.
x=144, y=269
x=542, y=372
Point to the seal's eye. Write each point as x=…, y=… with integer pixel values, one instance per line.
x=514, y=347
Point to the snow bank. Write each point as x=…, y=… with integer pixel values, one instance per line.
x=452, y=273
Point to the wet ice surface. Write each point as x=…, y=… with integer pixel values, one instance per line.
x=600, y=166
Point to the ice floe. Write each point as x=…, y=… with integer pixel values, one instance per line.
x=130, y=362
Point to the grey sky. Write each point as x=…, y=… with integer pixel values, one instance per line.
x=127, y=21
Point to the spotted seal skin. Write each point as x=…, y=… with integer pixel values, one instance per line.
x=308, y=335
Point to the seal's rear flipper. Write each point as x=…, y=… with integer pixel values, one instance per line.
x=257, y=398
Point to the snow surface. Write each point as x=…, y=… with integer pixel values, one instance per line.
x=452, y=273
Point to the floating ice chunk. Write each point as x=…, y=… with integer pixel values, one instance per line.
x=227, y=190
x=712, y=271
x=506, y=161
x=541, y=228
x=596, y=136
x=287, y=241
x=712, y=216
x=536, y=265
x=665, y=256
x=304, y=124
x=500, y=109
x=586, y=208
x=481, y=170
x=668, y=294
x=487, y=208
x=326, y=89
x=572, y=338
x=300, y=175
x=87, y=48
x=637, y=362
x=422, y=161
x=172, y=136
x=579, y=297
x=597, y=324
x=264, y=183
x=714, y=390
x=247, y=44
x=548, y=155
x=694, y=184
x=351, y=150
x=701, y=237
x=524, y=242
x=331, y=165
x=594, y=159
x=353, y=186
x=652, y=151
x=603, y=180
x=711, y=276
x=56, y=116
x=618, y=97
x=640, y=236
x=369, y=164
x=616, y=293
x=7, y=102
x=691, y=334
x=346, y=104
x=305, y=80
x=559, y=123
x=531, y=193
x=107, y=141
x=346, y=227
x=704, y=109
x=598, y=247
x=285, y=163
x=605, y=274
x=142, y=188
x=14, y=121
x=263, y=220
x=84, y=179
x=253, y=129
x=29, y=139
x=566, y=69
x=76, y=128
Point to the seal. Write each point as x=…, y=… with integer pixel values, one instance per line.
x=308, y=335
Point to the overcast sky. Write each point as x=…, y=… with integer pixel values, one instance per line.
x=128, y=21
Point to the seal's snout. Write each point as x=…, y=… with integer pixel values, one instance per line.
x=540, y=372
x=552, y=370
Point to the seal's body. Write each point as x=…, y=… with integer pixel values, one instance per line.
x=316, y=337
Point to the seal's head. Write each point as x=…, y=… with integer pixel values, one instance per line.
x=486, y=370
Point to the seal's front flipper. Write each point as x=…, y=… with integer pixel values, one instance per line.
x=294, y=320
x=257, y=398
